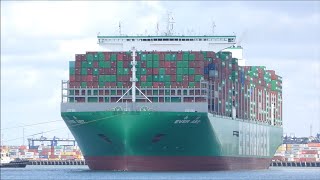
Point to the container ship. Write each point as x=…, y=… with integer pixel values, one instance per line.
x=172, y=103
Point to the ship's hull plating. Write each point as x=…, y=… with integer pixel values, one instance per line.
x=178, y=141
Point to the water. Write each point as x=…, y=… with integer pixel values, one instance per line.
x=83, y=172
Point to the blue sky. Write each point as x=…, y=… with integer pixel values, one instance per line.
x=39, y=38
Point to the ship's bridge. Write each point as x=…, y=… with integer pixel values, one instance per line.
x=166, y=43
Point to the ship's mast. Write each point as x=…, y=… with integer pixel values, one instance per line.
x=133, y=78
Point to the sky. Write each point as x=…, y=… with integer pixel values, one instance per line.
x=38, y=39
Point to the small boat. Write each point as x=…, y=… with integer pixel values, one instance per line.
x=7, y=162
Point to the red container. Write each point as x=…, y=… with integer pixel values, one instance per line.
x=173, y=64
x=192, y=64
x=72, y=78
x=161, y=56
x=168, y=71
x=113, y=64
x=173, y=78
x=179, y=56
x=143, y=64
x=149, y=71
x=89, y=71
x=143, y=78
x=191, y=78
x=113, y=71
x=126, y=64
x=84, y=78
x=106, y=56
x=77, y=71
x=120, y=57
x=89, y=83
x=155, y=84
x=89, y=78
x=167, y=64
x=155, y=71
x=173, y=71
x=101, y=71
x=78, y=57
x=162, y=63
x=78, y=64
x=95, y=84
x=95, y=64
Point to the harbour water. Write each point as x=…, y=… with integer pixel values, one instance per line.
x=82, y=172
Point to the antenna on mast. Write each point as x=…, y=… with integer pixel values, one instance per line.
x=213, y=25
x=119, y=28
x=157, y=29
x=170, y=24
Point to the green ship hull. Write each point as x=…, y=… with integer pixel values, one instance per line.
x=164, y=141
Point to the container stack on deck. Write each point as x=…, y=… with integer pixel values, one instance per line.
x=255, y=92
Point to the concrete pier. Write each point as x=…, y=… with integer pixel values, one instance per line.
x=57, y=162
x=295, y=164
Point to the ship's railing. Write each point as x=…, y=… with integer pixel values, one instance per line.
x=113, y=94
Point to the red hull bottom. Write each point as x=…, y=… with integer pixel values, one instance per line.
x=169, y=163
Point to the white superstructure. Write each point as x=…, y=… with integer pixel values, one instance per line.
x=166, y=43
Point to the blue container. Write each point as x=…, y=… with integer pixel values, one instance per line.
x=72, y=64
x=206, y=70
x=211, y=66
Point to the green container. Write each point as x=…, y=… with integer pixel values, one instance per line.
x=185, y=56
x=156, y=57
x=113, y=78
x=234, y=61
x=113, y=92
x=167, y=99
x=185, y=64
x=107, y=64
x=101, y=56
x=84, y=71
x=83, y=84
x=95, y=71
x=149, y=84
x=125, y=71
x=120, y=64
x=191, y=84
x=120, y=71
x=149, y=78
x=197, y=78
x=143, y=84
x=113, y=57
x=155, y=99
x=143, y=71
x=179, y=71
x=179, y=78
x=84, y=64
x=143, y=57
x=155, y=92
x=173, y=57
x=89, y=57
x=162, y=71
x=71, y=71
x=155, y=78
x=175, y=99
x=95, y=92
x=180, y=64
x=106, y=99
x=101, y=79
x=92, y=99
x=71, y=92
x=101, y=64
x=102, y=84
x=149, y=64
x=192, y=57
x=71, y=99
x=95, y=57
x=161, y=78
x=155, y=64
x=167, y=57
x=119, y=84
x=167, y=84
x=90, y=64
x=167, y=78
x=185, y=71
x=149, y=57
x=191, y=71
